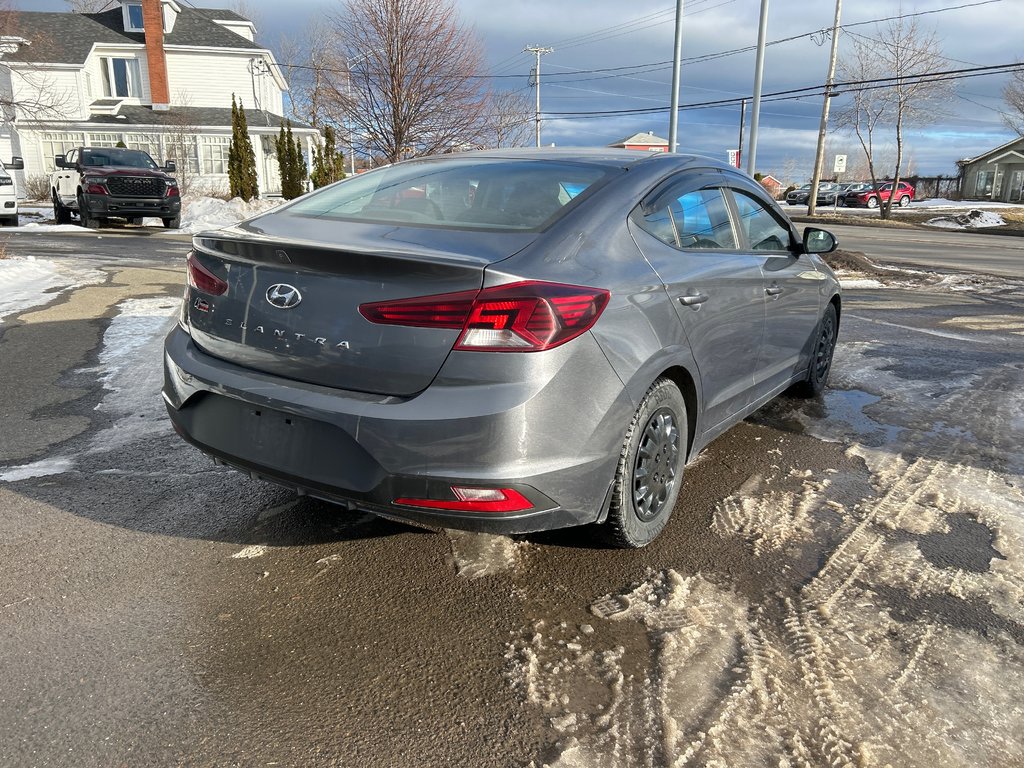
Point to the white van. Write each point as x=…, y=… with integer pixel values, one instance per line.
x=9, y=191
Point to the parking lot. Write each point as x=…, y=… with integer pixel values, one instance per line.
x=841, y=583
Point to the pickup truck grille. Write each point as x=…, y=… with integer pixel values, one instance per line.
x=135, y=186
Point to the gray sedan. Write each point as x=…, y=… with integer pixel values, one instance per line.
x=504, y=341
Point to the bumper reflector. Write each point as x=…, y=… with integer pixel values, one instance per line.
x=474, y=500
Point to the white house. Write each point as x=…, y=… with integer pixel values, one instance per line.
x=155, y=74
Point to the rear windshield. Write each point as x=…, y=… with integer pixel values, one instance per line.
x=124, y=158
x=459, y=194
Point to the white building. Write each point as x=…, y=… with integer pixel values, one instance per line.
x=154, y=74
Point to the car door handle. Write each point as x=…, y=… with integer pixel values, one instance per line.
x=693, y=299
x=773, y=290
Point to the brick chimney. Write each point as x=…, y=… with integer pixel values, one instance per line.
x=153, y=23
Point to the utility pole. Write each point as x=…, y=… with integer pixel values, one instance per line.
x=762, y=34
x=677, y=61
x=537, y=51
x=743, y=119
x=819, y=158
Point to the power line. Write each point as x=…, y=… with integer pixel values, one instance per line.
x=812, y=90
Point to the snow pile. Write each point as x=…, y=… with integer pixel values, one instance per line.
x=203, y=213
x=30, y=282
x=973, y=219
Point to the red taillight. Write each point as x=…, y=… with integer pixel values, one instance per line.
x=521, y=317
x=96, y=189
x=446, y=310
x=200, y=278
x=474, y=500
x=172, y=191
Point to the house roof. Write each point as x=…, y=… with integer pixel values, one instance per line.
x=646, y=139
x=134, y=115
x=67, y=38
x=1000, y=148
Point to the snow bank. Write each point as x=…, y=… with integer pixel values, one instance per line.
x=942, y=202
x=30, y=282
x=973, y=219
x=203, y=213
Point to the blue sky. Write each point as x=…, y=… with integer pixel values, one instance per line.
x=595, y=34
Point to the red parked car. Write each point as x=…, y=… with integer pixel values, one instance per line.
x=872, y=197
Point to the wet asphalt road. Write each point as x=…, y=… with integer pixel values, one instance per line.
x=156, y=610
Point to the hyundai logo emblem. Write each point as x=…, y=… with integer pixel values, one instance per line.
x=283, y=296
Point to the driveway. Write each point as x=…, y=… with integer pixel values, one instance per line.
x=842, y=582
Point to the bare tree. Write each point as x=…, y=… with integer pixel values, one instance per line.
x=907, y=55
x=1014, y=95
x=30, y=91
x=409, y=77
x=509, y=121
x=89, y=6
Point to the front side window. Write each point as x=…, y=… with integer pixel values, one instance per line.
x=763, y=231
x=524, y=195
x=122, y=78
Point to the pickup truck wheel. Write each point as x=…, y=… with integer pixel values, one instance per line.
x=61, y=215
x=172, y=223
x=88, y=220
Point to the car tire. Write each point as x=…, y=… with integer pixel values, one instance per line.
x=650, y=469
x=872, y=202
x=9, y=221
x=88, y=220
x=822, y=350
x=904, y=201
x=135, y=220
x=172, y=223
x=61, y=215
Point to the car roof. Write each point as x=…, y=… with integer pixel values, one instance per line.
x=608, y=157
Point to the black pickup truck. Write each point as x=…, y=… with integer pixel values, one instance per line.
x=100, y=183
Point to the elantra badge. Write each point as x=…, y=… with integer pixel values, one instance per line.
x=284, y=296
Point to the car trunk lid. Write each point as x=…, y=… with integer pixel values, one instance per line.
x=291, y=304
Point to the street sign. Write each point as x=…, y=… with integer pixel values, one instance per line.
x=840, y=164
x=734, y=158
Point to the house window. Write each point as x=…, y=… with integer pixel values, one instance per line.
x=121, y=77
x=215, y=154
x=104, y=139
x=133, y=12
x=57, y=144
x=183, y=150
x=983, y=185
x=145, y=142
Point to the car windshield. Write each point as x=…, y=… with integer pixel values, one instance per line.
x=115, y=156
x=462, y=193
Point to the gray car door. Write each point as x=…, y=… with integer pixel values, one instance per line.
x=792, y=289
x=686, y=231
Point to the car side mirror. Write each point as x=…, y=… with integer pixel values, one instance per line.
x=16, y=164
x=819, y=241
x=170, y=166
x=58, y=160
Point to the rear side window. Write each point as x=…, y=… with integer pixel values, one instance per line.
x=763, y=231
x=696, y=220
x=459, y=193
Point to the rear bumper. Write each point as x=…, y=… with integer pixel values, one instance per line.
x=158, y=207
x=539, y=435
